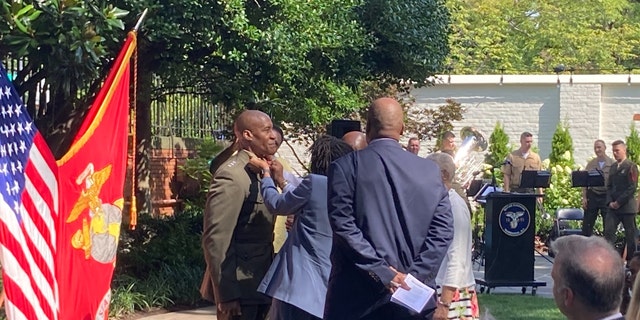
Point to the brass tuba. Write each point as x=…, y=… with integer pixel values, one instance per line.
x=469, y=159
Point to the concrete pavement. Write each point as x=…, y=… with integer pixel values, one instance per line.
x=542, y=272
x=207, y=313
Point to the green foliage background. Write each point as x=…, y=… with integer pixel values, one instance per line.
x=560, y=193
x=633, y=144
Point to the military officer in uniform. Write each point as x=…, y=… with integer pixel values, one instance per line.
x=594, y=199
x=238, y=229
x=518, y=161
x=621, y=187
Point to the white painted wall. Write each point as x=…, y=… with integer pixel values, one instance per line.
x=594, y=106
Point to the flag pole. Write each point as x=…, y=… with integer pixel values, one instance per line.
x=133, y=210
x=139, y=23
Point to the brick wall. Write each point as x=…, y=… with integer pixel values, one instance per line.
x=165, y=157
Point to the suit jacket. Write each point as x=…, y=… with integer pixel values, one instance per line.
x=388, y=208
x=303, y=262
x=621, y=186
x=237, y=236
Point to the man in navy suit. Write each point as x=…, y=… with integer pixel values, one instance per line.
x=390, y=215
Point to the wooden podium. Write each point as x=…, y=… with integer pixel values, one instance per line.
x=509, y=241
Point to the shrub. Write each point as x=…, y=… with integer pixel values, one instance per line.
x=160, y=264
x=172, y=241
x=498, y=146
x=560, y=193
x=633, y=144
x=561, y=143
x=498, y=151
x=196, y=171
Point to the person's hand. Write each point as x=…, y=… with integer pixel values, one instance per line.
x=288, y=224
x=259, y=163
x=614, y=205
x=277, y=171
x=276, y=166
x=229, y=309
x=398, y=281
x=441, y=313
x=584, y=203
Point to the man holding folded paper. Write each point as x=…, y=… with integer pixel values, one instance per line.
x=391, y=218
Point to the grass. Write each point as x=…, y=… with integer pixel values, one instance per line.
x=518, y=307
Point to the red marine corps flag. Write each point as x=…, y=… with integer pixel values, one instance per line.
x=60, y=221
x=92, y=176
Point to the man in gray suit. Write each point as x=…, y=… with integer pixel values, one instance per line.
x=391, y=216
x=588, y=277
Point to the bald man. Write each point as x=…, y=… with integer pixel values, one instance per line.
x=386, y=220
x=356, y=139
x=238, y=228
x=588, y=277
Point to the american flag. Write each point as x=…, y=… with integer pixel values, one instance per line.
x=28, y=212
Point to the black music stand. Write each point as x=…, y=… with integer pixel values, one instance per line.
x=338, y=128
x=591, y=178
x=535, y=179
x=485, y=190
x=474, y=187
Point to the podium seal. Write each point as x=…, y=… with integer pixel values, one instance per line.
x=514, y=219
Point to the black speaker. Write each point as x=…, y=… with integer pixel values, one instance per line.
x=338, y=128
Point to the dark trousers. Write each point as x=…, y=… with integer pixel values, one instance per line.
x=392, y=311
x=628, y=220
x=281, y=310
x=596, y=203
x=249, y=312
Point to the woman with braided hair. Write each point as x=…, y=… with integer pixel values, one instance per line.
x=303, y=261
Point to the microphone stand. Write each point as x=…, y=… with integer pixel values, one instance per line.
x=493, y=178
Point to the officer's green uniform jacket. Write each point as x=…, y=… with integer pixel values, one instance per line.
x=621, y=186
x=237, y=236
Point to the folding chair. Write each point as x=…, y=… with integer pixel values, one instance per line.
x=562, y=225
x=563, y=216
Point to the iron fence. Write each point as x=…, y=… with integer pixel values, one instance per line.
x=177, y=112
x=189, y=114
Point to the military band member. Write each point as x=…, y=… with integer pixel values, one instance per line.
x=621, y=187
x=518, y=161
x=594, y=199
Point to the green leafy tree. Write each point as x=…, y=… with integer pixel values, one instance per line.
x=66, y=48
x=410, y=38
x=431, y=123
x=633, y=144
x=302, y=62
x=197, y=176
x=528, y=35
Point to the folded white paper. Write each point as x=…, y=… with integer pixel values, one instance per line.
x=414, y=299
